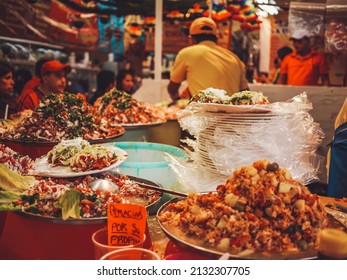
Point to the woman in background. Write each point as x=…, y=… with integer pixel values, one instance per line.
x=21, y=77
x=126, y=81
x=105, y=81
x=6, y=89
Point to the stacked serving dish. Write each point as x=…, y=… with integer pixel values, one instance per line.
x=229, y=136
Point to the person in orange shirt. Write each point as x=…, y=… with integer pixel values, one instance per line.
x=305, y=66
x=53, y=79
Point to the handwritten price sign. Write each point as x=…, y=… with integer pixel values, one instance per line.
x=126, y=224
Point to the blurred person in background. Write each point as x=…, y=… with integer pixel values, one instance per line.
x=305, y=66
x=21, y=77
x=135, y=54
x=125, y=80
x=275, y=73
x=53, y=80
x=282, y=53
x=262, y=78
x=205, y=64
x=105, y=81
x=6, y=89
x=35, y=81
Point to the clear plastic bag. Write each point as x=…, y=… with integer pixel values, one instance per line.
x=287, y=135
x=336, y=26
x=306, y=19
x=336, y=36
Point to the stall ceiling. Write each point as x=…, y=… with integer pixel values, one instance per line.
x=286, y=3
x=145, y=7
x=121, y=7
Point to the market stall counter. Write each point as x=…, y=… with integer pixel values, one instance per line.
x=25, y=238
x=28, y=235
x=53, y=214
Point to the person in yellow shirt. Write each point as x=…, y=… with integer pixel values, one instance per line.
x=205, y=64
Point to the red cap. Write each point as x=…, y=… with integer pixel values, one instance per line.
x=54, y=66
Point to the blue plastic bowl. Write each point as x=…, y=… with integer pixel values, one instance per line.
x=145, y=160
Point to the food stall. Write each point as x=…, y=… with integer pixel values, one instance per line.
x=56, y=203
x=236, y=188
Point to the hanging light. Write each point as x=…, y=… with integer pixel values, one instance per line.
x=267, y=7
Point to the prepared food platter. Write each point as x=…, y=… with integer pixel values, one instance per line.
x=133, y=195
x=192, y=243
x=14, y=161
x=66, y=200
x=45, y=200
x=259, y=213
x=7, y=125
x=128, y=193
x=197, y=245
x=121, y=108
x=244, y=102
x=72, y=158
x=61, y=117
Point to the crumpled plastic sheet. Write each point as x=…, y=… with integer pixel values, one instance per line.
x=306, y=20
x=192, y=177
x=336, y=26
x=338, y=215
x=336, y=36
x=289, y=136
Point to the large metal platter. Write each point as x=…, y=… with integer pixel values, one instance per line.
x=86, y=221
x=130, y=126
x=50, y=143
x=197, y=245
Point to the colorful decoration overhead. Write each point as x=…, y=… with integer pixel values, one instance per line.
x=71, y=28
x=175, y=14
x=111, y=35
x=93, y=24
x=223, y=10
x=149, y=24
x=244, y=13
x=75, y=21
x=134, y=30
x=194, y=12
x=133, y=25
x=219, y=11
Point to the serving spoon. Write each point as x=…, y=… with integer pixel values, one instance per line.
x=106, y=185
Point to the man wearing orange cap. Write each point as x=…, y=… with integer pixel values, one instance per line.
x=53, y=79
x=304, y=66
x=205, y=64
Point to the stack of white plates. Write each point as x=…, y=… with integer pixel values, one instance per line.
x=233, y=136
